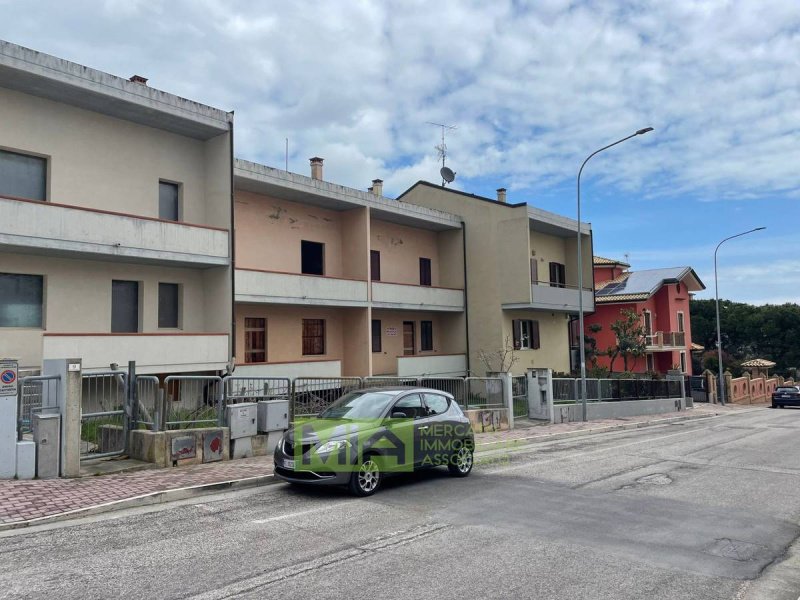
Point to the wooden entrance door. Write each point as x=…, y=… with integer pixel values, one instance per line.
x=409, y=340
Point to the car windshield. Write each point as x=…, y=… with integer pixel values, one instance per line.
x=786, y=389
x=358, y=405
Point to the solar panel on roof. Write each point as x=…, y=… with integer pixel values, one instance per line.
x=612, y=288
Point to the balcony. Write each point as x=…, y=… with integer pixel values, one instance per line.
x=270, y=287
x=446, y=365
x=291, y=370
x=416, y=297
x=665, y=340
x=153, y=352
x=556, y=299
x=76, y=232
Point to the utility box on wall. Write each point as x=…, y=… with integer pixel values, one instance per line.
x=273, y=415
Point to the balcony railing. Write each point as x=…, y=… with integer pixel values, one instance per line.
x=293, y=288
x=665, y=339
x=416, y=297
x=91, y=233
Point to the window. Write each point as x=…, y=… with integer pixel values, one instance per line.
x=650, y=363
x=312, y=258
x=425, y=271
x=168, y=305
x=411, y=406
x=436, y=404
x=426, y=335
x=680, y=322
x=23, y=176
x=683, y=362
x=558, y=275
x=21, y=299
x=526, y=334
x=376, y=335
x=255, y=340
x=534, y=271
x=168, y=201
x=313, y=336
x=375, y=265
x=648, y=322
x=124, y=306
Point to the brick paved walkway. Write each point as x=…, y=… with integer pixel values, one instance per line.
x=26, y=500
x=22, y=501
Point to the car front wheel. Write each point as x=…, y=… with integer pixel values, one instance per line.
x=461, y=461
x=366, y=477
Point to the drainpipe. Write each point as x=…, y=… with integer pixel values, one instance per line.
x=232, y=345
x=466, y=287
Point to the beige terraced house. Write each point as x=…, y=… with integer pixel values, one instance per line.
x=115, y=236
x=521, y=276
x=333, y=281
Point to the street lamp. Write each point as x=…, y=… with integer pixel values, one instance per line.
x=716, y=295
x=581, y=347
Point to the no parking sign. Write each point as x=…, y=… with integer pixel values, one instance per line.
x=8, y=378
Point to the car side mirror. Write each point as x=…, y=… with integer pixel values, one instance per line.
x=399, y=415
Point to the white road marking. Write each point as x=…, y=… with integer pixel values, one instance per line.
x=297, y=514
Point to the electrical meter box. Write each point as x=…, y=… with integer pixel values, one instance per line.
x=273, y=415
x=242, y=419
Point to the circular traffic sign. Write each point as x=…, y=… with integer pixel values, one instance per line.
x=8, y=376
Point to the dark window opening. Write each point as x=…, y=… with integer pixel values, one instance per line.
x=124, y=306
x=255, y=340
x=558, y=275
x=312, y=255
x=376, y=335
x=426, y=335
x=375, y=265
x=168, y=305
x=409, y=339
x=168, y=201
x=425, y=271
x=21, y=299
x=23, y=176
x=313, y=336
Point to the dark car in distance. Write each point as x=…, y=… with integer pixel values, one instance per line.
x=786, y=395
x=371, y=433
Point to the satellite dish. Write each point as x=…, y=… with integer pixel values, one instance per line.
x=447, y=174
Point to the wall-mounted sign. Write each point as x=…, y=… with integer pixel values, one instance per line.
x=8, y=378
x=391, y=331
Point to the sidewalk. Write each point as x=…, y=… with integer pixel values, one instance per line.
x=25, y=503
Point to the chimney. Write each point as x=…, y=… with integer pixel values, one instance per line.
x=501, y=195
x=138, y=79
x=316, y=168
x=377, y=187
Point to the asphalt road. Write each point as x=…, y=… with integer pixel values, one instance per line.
x=701, y=509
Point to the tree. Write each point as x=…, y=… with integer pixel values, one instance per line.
x=631, y=341
x=499, y=361
x=590, y=345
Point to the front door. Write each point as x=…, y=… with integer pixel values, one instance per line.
x=409, y=340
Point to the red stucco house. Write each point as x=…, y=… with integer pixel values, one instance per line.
x=661, y=297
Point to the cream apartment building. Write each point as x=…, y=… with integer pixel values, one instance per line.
x=116, y=228
x=332, y=280
x=521, y=273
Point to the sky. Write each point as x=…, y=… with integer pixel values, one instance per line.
x=532, y=88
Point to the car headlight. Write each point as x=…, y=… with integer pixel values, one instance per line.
x=332, y=446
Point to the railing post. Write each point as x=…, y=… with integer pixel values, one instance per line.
x=130, y=414
x=221, y=398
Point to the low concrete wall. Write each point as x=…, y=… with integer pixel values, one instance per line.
x=488, y=419
x=156, y=446
x=567, y=413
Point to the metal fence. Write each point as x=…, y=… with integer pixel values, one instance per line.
x=484, y=392
x=312, y=395
x=37, y=394
x=103, y=398
x=148, y=413
x=519, y=395
x=609, y=390
x=193, y=401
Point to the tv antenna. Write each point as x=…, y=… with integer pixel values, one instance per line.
x=448, y=175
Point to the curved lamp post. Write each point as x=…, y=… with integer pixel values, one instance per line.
x=720, y=376
x=581, y=345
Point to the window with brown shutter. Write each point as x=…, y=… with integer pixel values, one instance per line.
x=313, y=337
x=534, y=271
x=526, y=334
x=255, y=340
x=558, y=276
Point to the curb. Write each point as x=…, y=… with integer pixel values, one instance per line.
x=486, y=447
x=160, y=497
